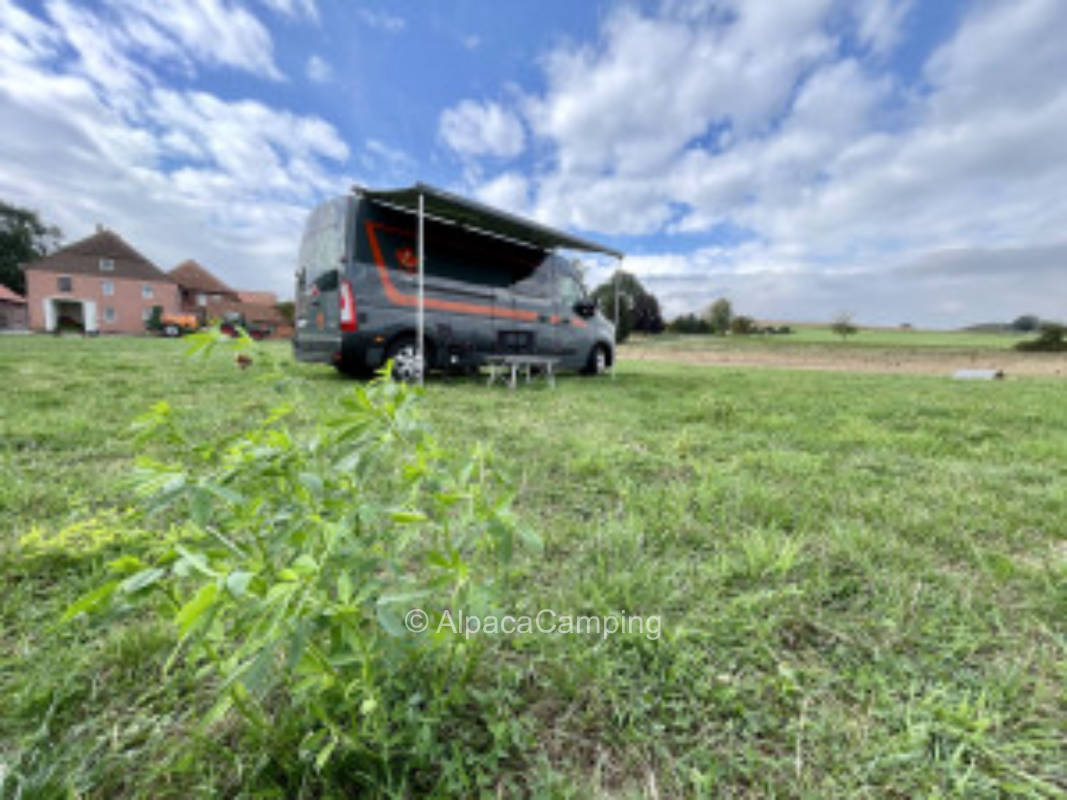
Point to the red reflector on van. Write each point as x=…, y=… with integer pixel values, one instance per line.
x=348, y=307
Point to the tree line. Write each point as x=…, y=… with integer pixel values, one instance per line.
x=24, y=237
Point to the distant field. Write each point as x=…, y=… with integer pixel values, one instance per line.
x=862, y=580
x=867, y=337
x=870, y=350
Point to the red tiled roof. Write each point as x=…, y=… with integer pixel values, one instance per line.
x=190, y=275
x=83, y=257
x=257, y=297
x=10, y=296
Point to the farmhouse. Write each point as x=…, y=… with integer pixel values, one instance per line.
x=99, y=284
x=209, y=299
x=199, y=287
x=12, y=310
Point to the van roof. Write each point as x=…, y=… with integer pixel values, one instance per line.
x=462, y=211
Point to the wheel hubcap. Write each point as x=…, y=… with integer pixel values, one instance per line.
x=407, y=366
x=601, y=361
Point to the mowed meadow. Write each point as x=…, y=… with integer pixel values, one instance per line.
x=862, y=582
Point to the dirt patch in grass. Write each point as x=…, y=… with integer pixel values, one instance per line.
x=890, y=360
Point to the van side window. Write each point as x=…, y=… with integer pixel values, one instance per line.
x=327, y=281
x=570, y=290
x=535, y=282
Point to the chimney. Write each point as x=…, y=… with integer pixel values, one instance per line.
x=100, y=227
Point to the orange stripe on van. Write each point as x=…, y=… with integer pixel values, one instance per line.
x=397, y=297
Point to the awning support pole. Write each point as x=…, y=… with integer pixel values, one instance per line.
x=419, y=323
x=615, y=284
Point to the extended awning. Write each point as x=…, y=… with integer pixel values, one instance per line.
x=449, y=207
x=424, y=200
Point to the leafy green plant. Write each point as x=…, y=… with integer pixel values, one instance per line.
x=304, y=549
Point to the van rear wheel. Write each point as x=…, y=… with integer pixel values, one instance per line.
x=407, y=365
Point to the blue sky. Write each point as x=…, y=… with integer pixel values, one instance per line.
x=898, y=159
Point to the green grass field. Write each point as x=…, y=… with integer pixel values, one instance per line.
x=862, y=581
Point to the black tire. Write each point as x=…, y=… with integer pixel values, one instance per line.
x=598, y=362
x=403, y=352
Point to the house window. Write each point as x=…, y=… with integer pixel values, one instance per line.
x=107, y=264
x=109, y=314
x=107, y=288
x=201, y=299
x=63, y=283
x=146, y=313
x=146, y=291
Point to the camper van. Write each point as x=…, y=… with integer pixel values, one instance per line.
x=493, y=284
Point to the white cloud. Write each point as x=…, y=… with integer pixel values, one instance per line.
x=379, y=158
x=827, y=181
x=318, y=70
x=211, y=32
x=294, y=8
x=476, y=129
x=382, y=20
x=180, y=173
x=509, y=191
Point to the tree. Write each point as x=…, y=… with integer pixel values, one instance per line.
x=1051, y=340
x=842, y=325
x=288, y=310
x=1027, y=323
x=743, y=325
x=720, y=313
x=23, y=238
x=690, y=323
x=638, y=308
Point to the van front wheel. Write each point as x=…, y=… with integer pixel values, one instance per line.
x=406, y=363
x=597, y=364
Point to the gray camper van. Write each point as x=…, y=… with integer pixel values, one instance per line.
x=492, y=285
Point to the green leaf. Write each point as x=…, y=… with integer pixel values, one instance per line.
x=195, y=560
x=389, y=619
x=90, y=601
x=305, y=564
x=311, y=482
x=344, y=588
x=192, y=611
x=325, y=753
x=124, y=565
x=141, y=580
x=530, y=537
x=407, y=517
x=237, y=582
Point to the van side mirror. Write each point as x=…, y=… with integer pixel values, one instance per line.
x=585, y=307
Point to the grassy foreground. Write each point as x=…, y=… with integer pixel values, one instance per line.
x=862, y=582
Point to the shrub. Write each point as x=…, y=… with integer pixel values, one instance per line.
x=1051, y=340
x=742, y=325
x=843, y=326
x=304, y=552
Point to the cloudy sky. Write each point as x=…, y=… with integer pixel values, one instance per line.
x=905, y=160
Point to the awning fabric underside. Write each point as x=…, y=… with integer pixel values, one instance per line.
x=461, y=211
